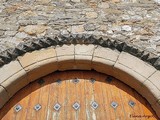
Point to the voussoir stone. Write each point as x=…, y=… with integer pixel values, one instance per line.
x=155, y=79
x=15, y=79
x=106, y=54
x=36, y=56
x=65, y=56
x=39, y=63
x=136, y=64
x=83, y=56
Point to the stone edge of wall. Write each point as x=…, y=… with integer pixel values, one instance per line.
x=35, y=44
x=134, y=72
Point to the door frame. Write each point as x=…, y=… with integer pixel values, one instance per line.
x=34, y=64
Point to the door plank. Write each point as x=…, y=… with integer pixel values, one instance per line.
x=62, y=95
x=71, y=112
x=119, y=112
x=80, y=90
x=84, y=92
x=106, y=104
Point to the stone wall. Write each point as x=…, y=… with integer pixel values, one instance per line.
x=136, y=22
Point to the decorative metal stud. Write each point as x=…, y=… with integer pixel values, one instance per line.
x=92, y=80
x=94, y=105
x=41, y=81
x=109, y=79
x=37, y=107
x=18, y=108
x=57, y=106
x=131, y=103
x=76, y=105
x=75, y=80
x=114, y=105
x=59, y=81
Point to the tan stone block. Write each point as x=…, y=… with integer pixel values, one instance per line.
x=128, y=75
x=150, y=91
x=41, y=68
x=106, y=53
x=16, y=82
x=136, y=64
x=36, y=56
x=134, y=80
x=155, y=79
x=65, y=50
x=83, y=58
x=65, y=56
x=3, y=96
x=97, y=61
x=9, y=70
x=84, y=53
x=84, y=50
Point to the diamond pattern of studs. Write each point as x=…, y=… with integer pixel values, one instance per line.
x=57, y=106
x=92, y=80
x=37, y=107
x=131, y=103
x=18, y=108
x=75, y=80
x=76, y=105
x=94, y=105
x=114, y=104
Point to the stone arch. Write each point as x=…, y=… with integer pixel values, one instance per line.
x=25, y=64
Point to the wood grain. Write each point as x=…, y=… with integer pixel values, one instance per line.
x=84, y=92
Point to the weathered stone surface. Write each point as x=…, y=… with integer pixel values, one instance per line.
x=49, y=18
x=13, y=67
x=135, y=64
x=36, y=56
x=155, y=79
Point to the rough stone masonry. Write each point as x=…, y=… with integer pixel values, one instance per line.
x=137, y=22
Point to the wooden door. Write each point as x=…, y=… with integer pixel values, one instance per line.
x=77, y=95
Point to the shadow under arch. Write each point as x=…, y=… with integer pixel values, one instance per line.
x=80, y=57
x=84, y=75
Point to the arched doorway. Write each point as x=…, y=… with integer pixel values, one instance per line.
x=77, y=95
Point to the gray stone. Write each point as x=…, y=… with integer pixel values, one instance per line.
x=90, y=27
x=125, y=17
x=8, y=27
x=1, y=33
x=136, y=18
x=21, y=35
x=10, y=33
x=157, y=1
x=76, y=1
x=126, y=28
x=103, y=5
